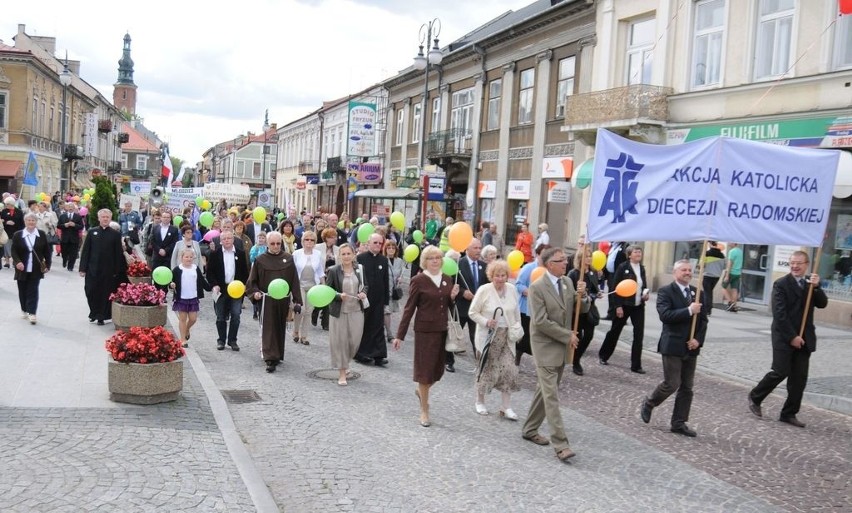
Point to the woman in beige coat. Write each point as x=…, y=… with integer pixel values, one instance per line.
x=499, y=370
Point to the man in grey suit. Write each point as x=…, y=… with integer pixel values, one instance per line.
x=551, y=302
x=676, y=306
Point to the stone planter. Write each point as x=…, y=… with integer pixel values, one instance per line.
x=139, y=279
x=125, y=316
x=145, y=383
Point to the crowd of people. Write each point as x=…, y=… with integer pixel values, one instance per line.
x=545, y=309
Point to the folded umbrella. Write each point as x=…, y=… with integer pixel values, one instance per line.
x=487, y=348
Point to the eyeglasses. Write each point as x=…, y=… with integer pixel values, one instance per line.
x=798, y=263
x=273, y=243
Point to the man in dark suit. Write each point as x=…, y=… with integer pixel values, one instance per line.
x=791, y=347
x=632, y=308
x=70, y=223
x=676, y=306
x=253, y=228
x=373, y=342
x=226, y=264
x=101, y=262
x=551, y=302
x=471, y=277
x=163, y=240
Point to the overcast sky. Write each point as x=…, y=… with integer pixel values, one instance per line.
x=206, y=71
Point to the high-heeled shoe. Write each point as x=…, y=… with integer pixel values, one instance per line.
x=423, y=422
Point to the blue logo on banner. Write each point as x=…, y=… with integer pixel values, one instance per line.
x=620, y=195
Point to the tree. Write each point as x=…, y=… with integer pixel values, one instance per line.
x=104, y=197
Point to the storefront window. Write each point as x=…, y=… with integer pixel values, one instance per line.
x=689, y=250
x=835, y=266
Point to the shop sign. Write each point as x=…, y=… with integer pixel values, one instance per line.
x=519, y=189
x=557, y=167
x=487, y=189
x=829, y=132
x=558, y=192
x=436, y=189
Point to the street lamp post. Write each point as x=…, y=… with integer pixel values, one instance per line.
x=428, y=31
x=65, y=80
x=263, y=166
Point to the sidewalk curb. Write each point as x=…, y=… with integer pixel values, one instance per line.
x=254, y=482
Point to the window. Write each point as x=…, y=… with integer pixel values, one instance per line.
x=640, y=55
x=141, y=162
x=255, y=170
x=35, y=116
x=495, y=91
x=843, y=43
x=3, y=101
x=241, y=169
x=123, y=161
x=461, y=115
x=708, y=32
x=415, y=125
x=525, y=96
x=50, y=123
x=774, y=38
x=333, y=145
x=399, y=120
x=41, y=115
x=565, y=86
x=436, y=114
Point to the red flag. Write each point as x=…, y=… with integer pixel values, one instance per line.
x=845, y=6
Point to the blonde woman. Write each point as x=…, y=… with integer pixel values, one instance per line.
x=431, y=295
x=498, y=370
x=310, y=268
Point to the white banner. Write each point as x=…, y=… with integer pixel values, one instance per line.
x=232, y=193
x=91, y=139
x=133, y=199
x=715, y=188
x=140, y=188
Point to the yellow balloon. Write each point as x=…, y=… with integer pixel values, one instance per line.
x=397, y=219
x=598, y=260
x=236, y=289
x=515, y=259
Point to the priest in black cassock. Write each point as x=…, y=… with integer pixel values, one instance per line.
x=373, y=341
x=275, y=263
x=101, y=263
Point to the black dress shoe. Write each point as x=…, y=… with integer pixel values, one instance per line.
x=754, y=407
x=220, y=346
x=640, y=370
x=578, y=369
x=100, y=323
x=380, y=362
x=450, y=367
x=645, y=412
x=793, y=421
x=235, y=347
x=602, y=361
x=684, y=430
x=362, y=360
x=270, y=367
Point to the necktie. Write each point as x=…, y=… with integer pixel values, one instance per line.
x=559, y=290
x=687, y=295
x=802, y=282
x=475, y=273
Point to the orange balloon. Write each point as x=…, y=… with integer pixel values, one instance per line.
x=460, y=236
x=537, y=273
x=626, y=288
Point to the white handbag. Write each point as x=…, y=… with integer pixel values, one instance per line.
x=456, y=336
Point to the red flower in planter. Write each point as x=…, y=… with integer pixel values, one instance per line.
x=138, y=269
x=138, y=294
x=144, y=345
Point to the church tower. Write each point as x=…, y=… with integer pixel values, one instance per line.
x=124, y=90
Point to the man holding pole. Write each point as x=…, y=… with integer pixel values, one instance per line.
x=684, y=328
x=794, y=297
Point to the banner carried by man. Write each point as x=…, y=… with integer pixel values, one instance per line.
x=716, y=188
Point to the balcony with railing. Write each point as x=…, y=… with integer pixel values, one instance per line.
x=309, y=167
x=457, y=142
x=621, y=107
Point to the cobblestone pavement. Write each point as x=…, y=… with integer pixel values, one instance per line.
x=321, y=447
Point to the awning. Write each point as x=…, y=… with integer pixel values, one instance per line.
x=400, y=193
x=583, y=176
x=843, y=181
x=9, y=168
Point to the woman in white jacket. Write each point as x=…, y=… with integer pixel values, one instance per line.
x=499, y=370
x=310, y=268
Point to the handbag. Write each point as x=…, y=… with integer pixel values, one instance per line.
x=455, y=333
x=594, y=315
x=4, y=237
x=396, y=291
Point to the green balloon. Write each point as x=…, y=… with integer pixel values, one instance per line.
x=280, y=215
x=450, y=267
x=364, y=232
x=162, y=275
x=411, y=253
x=340, y=225
x=199, y=201
x=359, y=220
x=321, y=295
x=417, y=235
x=177, y=221
x=278, y=289
x=206, y=219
